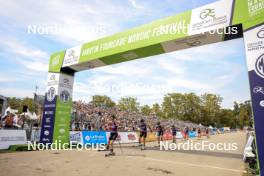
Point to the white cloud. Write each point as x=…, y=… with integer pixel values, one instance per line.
x=15, y=92
x=80, y=21
x=135, y=4
x=36, y=66
x=21, y=49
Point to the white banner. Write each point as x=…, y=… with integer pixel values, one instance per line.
x=72, y=56
x=125, y=137
x=210, y=17
x=254, y=45
x=12, y=137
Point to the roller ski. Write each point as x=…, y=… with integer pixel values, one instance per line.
x=110, y=154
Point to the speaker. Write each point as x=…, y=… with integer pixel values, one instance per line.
x=25, y=108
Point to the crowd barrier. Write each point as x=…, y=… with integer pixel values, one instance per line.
x=12, y=137
x=93, y=137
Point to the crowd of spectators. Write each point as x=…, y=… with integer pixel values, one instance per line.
x=87, y=116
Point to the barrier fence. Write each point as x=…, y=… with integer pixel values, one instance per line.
x=13, y=137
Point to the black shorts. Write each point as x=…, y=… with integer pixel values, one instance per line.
x=143, y=134
x=160, y=133
x=113, y=136
x=173, y=133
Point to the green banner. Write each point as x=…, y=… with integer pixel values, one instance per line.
x=62, y=121
x=152, y=34
x=248, y=12
x=56, y=61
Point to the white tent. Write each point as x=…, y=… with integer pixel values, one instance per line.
x=13, y=111
x=30, y=116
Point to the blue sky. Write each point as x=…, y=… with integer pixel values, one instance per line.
x=218, y=68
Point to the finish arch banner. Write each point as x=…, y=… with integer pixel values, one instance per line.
x=216, y=22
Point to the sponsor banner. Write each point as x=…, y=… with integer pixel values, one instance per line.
x=47, y=125
x=12, y=137
x=52, y=86
x=125, y=137
x=148, y=35
x=94, y=137
x=56, y=61
x=76, y=137
x=193, y=134
x=254, y=44
x=49, y=109
x=63, y=109
x=248, y=12
x=210, y=17
x=151, y=137
x=167, y=136
x=35, y=135
x=72, y=56
x=179, y=135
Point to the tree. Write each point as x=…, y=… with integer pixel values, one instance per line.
x=13, y=102
x=227, y=118
x=156, y=110
x=211, y=109
x=17, y=103
x=182, y=106
x=102, y=100
x=129, y=104
x=146, y=110
x=27, y=102
x=192, y=108
x=244, y=114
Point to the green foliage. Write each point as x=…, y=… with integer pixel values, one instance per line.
x=205, y=109
x=243, y=113
x=102, y=100
x=156, y=110
x=129, y=104
x=18, y=103
x=146, y=110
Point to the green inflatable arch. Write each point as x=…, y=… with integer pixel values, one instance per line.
x=217, y=22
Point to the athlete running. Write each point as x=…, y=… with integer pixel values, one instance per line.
x=143, y=133
x=199, y=133
x=113, y=136
x=159, y=130
x=207, y=133
x=186, y=133
x=173, y=133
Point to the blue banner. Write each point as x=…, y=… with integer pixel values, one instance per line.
x=193, y=134
x=94, y=137
x=257, y=94
x=47, y=125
